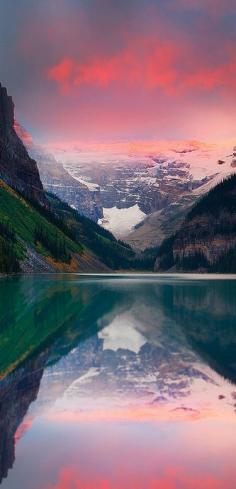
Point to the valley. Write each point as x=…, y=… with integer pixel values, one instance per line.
x=156, y=183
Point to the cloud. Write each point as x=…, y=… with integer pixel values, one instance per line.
x=148, y=63
x=144, y=63
x=171, y=478
x=210, y=78
x=62, y=73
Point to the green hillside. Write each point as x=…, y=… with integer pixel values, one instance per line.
x=62, y=237
x=22, y=224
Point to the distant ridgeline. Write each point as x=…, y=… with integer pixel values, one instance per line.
x=38, y=232
x=206, y=241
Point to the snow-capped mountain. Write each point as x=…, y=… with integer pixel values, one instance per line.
x=147, y=188
x=141, y=192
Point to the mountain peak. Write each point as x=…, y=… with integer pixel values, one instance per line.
x=6, y=111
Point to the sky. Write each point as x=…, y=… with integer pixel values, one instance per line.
x=127, y=70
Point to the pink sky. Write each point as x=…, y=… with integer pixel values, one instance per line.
x=146, y=70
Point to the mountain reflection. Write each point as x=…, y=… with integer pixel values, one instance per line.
x=207, y=315
x=114, y=349
x=17, y=392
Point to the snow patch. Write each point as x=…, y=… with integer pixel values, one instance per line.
x=121, y=221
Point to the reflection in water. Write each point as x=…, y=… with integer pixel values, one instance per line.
x=134, y=380
x=17, y=392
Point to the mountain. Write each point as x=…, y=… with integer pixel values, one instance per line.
x=144, y=196
x=146, y=189
x=80, y=195
x=17, y=169
x=38, y=232
x=206, y=241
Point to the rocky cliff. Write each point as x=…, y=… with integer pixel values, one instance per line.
x=17, y=169
x=57, y=180
x=207, y=238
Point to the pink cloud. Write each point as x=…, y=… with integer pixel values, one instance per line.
x=172, y=478
x=149, y=64
x=144, y=63
x=62, y=73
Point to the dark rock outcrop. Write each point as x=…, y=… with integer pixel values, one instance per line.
x=17, y=169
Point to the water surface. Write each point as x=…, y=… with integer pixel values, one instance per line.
x=118, y=382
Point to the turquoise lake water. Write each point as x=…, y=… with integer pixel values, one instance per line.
x=118, y=382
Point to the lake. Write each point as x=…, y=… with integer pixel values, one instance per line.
x=118, y=382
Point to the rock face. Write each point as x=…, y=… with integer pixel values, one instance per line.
x=57, y=180
x=207, y=238
x=17, y=169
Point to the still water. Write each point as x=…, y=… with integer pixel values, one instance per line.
x=117, y=383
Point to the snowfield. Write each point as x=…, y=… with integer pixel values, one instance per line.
x=121, y=221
